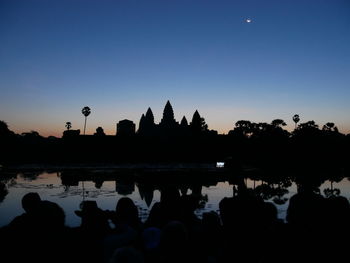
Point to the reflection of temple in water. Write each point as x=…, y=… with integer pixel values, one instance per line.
x=146, y=183
x=146, y=192
x=124, y=187
x=184, y=182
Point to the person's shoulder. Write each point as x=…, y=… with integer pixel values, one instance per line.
x=20, y=220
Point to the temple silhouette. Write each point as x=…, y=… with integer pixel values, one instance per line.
x=168, y=126
x=253, y=144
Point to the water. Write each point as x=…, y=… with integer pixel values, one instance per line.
x=52, y=186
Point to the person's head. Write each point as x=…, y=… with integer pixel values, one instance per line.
x=305, y=208
x=48, y=216
x=338, y=212
x=88, y=207
x=91, y=216
x=226, y=210
x=30, y=201
x=126, y=211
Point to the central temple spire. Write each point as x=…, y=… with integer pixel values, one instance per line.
x=168, y=115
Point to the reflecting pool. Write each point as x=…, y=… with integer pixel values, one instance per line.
x=70, y=188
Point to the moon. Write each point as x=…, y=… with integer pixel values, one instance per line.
x=248, y=20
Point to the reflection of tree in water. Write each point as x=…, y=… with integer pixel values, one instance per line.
x=274, y=185
x=276, y=192
x=329, y=192
x=203, y=200
x=7, y=180
x=279, y=199
x=98, y=182
x=29, y=175
x=333, y=177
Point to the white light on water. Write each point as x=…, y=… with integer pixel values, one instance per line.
x=220, y=165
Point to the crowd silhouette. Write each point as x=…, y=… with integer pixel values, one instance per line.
x=245, y=229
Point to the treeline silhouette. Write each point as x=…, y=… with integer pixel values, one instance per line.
x=248, y=143
x=245, y=229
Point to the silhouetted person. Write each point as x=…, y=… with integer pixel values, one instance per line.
x=212, y=236
x=127, y=255
x=93, y=219
x=241, y=217
x=126, y=212
x=336, y=228
x=169, y=203
x=29, y=202
x=270, y=212
x=305, y=217
x=273, y=230
x=150, y=239
x=127, y=226
x=174, y=243
x=338, y=212
x=92, y=231
x=155, y=217
x=188, y=204
x=49, y=228
x=168, y=209
x=41, y=236
x=305, y=207
x=48, y=218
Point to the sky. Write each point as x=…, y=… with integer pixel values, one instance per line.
x=121, y=57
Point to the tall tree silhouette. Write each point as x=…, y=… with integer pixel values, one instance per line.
x=86, y=112
x=245, y=127
x=278, y=123
x=99, y=132
x=68, y=125
x=4, y=129
x=308, y=130
x=296, y=119
x=330, y=127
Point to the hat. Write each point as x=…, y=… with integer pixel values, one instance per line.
x=88, y=207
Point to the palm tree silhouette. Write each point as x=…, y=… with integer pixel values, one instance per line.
x=86, y=112
x=68, y=125
x=296, y=119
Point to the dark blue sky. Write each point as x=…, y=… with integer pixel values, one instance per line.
x=119, y=57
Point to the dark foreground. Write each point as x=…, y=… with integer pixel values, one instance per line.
x=246, y=229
